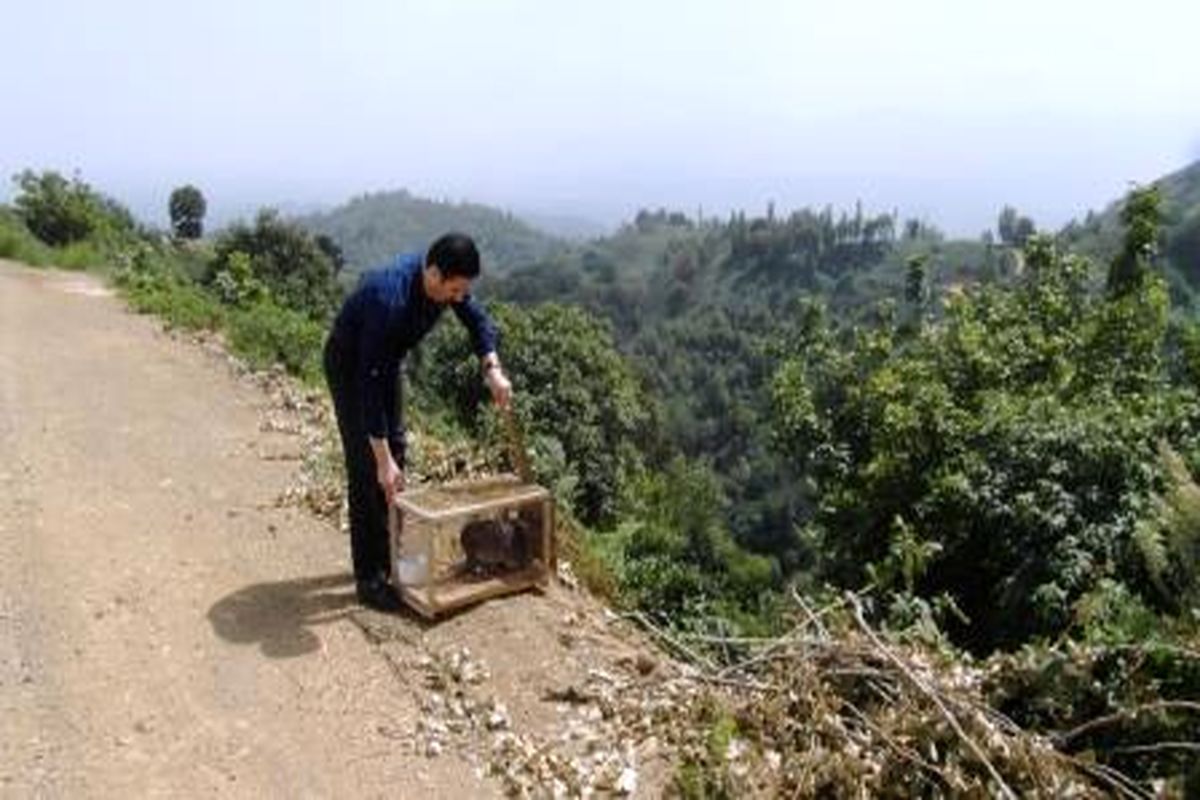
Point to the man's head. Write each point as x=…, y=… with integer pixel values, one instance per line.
x=450, y=265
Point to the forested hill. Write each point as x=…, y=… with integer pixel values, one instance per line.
x=705, y=307
x=664, y=263
x=701, y=306
x=373, y=227
x=1099, y=234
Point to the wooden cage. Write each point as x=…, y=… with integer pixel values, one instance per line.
x=461, y=543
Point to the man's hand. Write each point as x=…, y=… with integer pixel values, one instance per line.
x=390, y=476
x=500, y=385
x=391, y=479
x=497, y=381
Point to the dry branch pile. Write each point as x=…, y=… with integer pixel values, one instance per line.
x=834, y=709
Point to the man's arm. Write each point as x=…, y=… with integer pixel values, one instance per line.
x=483, y=340
x=478, y=324
x=373, y=373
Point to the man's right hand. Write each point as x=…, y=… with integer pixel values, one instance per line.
x=391, y=479
x=390, y=476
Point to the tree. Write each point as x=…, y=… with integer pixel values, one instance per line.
x=331, y=248
x=679, y=558
x=285, y=258
x=1006, y=225
x=915, y=287
x=1024, y=229
x=1014, y=229
x=187, y=208
x=60, y=211
x=1142, y=215
x=912, y=229
x=1016, y=441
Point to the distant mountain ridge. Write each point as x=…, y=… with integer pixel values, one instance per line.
x=566, y=226
x=371, y=228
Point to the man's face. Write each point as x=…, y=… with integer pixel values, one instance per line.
x=445, y=290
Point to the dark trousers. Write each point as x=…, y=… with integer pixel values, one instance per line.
x=368, y=506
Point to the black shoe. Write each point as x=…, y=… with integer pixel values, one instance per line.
x=378, y=594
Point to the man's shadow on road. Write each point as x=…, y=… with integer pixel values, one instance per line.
x=280, y=616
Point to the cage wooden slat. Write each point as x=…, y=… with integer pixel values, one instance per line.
x=436, y=599
x=437, y=515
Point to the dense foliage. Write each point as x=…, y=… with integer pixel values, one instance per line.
x=18, y=243
x=1007, y=456
x=700, y=305
x=61, y=212
x=596, y=441
x=588, y=420
x=994, y=451
x=269, y=286
x=284, y=258
x=1101, y=235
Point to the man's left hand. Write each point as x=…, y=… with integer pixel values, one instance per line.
x=500, y=385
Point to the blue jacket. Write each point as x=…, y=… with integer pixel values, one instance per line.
x=382, y=319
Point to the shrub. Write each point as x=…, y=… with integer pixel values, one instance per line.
x=181, y=305
x=575, y=395
x=17, y=243
x=283, y=257
x=81, y=255
x=60, y=212
x=266, y=333
x=1015, y=440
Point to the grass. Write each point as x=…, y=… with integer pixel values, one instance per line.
x=180, y=305
x=79, y=256
x=264, y=333
x=18, y=244
x=704, y=778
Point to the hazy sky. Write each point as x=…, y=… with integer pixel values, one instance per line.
x=943, y=109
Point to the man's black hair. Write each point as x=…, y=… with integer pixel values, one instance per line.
x=455, y=255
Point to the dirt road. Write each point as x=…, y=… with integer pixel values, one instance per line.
x=164, y=630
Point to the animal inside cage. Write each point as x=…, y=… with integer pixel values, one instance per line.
x=462, y=543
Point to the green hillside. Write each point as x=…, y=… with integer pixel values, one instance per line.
x=1099, y=234
x=373, y=227
x=664, y=264
x=702, y=307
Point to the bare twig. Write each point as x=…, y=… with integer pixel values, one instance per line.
x=1110, y=777
x=905, y=752
x=671, y=641
x=771, y=653
x=1003, y=787
x=886, y=692
x=813, y=619
x=773, y=647
x=720, y=680
x=709, y=638
x=1130, y=713
x=1169, y=648
x=1158, y=747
